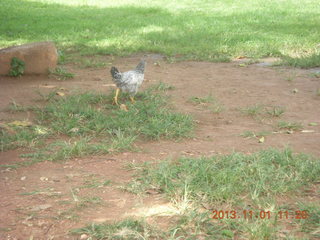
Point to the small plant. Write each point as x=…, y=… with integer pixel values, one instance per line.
x=17, y=67
x=61, y=74
x=276, y=111
x=253, y=110
x=202, y=100
x=209, y=102
x=292, y=126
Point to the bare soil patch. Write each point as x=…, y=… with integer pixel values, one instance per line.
x=42, y=200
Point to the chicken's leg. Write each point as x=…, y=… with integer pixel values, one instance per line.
x=115, y=99
x=132, y=99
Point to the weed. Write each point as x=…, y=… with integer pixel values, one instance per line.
x=15, y=107
x=125, y=229
x=311, y=221
x=251, y=134
x=208, y=101
x=202, y=100
x=61, y=74
x=293, y=126
x=253, y=110
x=92, y=63
x=275, y=111
x=17, y=67
x=161, y=86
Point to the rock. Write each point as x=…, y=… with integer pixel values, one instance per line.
x=38, y=57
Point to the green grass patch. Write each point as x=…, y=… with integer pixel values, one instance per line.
x=303, y=62
x=203, y=30
x=61, y=74
x=208, y=102
x=259, y=110
x=292, y=126
x=91, y=125
x=231, y=177
x=252, y=134
x=126, y=229
x=230, y=182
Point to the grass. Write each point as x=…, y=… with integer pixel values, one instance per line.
x=126, y=229
x=262, y=110
x=61, y=74
x=209, y=102
x=90, y=124
x=202, y=30
x=253, y=110
x=292, y=126
x=231, y=177
x=251, y=134
x=227, y=182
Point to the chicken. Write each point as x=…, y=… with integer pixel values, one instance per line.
x=128, y=81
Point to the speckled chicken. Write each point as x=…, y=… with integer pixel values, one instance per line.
x=128, y=81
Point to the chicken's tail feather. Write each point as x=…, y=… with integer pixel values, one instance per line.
x=140, y=67
x=115, y=73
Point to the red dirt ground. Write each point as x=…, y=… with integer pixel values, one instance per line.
x=49, y=213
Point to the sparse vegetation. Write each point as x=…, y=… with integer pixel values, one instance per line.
x=275, y=111
x=259, y=110
x=251, y=134
x=293, y=126
x=61, y=74
x=253, y=110
x=209, y=102
x=17, y=67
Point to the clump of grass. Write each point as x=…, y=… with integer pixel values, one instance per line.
x=92, y=63
x=253, y=110
x=161, y=86
x=292, y=126
x=262, y=110
x=251, y=134
x=303, y=62
x=61, y=74
x=311, y=222
x=202, y=100
x=227, y=178
x=15, y=107
x=125, y=229
x=22, y=137
x=209, y=102
x=275, y=111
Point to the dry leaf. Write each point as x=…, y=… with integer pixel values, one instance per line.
x=48, y=86
x=123, y=107
x=307, y=131
x=241, y=57
x=61, y=94
x=21, y=123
